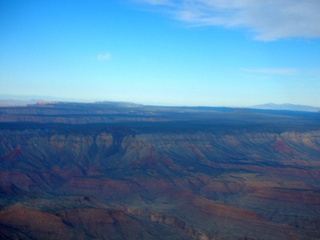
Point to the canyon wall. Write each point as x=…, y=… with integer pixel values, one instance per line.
x=192, y=184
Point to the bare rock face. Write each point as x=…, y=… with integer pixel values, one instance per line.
x=159, y=179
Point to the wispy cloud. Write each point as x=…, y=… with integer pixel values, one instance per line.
x=154, y=2
x=267, y=19
x=273, y=71
x=104, y=57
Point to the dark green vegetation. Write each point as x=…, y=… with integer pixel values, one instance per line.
x=125, y=171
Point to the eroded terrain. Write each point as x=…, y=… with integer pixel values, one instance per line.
x=197, y=174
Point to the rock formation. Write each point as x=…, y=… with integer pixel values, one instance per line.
x=195, y=178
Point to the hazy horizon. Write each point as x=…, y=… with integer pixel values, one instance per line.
x=14, y=100
x=162, y=52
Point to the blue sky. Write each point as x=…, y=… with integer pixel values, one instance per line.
x=200, y=52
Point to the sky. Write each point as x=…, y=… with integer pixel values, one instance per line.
x=162, y=52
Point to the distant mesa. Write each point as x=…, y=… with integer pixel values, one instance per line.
x=18, y=101
x=14, y=102
x=288, y=107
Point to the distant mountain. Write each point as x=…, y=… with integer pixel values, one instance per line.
x=287, y=106
x=15, y=102
x=21, y=100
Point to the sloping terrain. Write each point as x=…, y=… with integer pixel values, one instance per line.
x=158, y=173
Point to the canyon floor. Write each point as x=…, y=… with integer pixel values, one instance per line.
x=127, y=171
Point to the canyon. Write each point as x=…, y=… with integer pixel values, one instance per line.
x=128, y=171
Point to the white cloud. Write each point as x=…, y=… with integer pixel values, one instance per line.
x=104, y=57
x=154, y=2
x=274, y=71
x=267, y=19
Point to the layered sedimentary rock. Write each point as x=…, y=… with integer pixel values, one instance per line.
x=151, y=181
